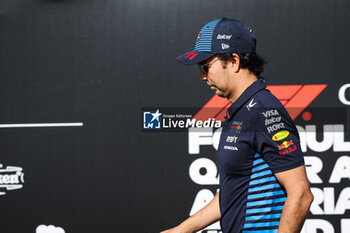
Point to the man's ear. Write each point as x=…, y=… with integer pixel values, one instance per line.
x=235, y=62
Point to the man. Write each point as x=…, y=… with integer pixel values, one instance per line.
x=263, y=183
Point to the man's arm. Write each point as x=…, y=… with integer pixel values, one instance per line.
x=203, y=218
x=299, y=198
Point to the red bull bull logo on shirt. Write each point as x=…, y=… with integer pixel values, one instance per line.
x=286, y=147
x=285, y=144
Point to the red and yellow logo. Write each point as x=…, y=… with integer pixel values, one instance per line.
x=285, y=144
x=238, y=127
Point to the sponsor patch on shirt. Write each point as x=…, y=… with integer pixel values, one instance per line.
x=272, y=120
x=251, y=104
x=275, y=127
x=230, y=148
x=269, y=113
x=285, y=145
x=236, y=126
x=288, y=150
x=280, y=135
x=231, y=139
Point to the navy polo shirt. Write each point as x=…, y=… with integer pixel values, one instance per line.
x=258, y=139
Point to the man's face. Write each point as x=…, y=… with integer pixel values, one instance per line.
x=217, y=76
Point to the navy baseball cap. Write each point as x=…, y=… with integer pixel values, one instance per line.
x=220, y=36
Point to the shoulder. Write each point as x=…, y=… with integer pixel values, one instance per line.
x=268, y=100
x=263, y=106
x=272, y=115
x=262, y=103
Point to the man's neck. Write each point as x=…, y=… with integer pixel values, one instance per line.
x=242, y=82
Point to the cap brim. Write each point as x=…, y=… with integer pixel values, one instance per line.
x=194, y=57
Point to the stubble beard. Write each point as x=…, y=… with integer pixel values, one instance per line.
x=220, y=93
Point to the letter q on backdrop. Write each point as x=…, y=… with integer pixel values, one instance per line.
x=49, y=229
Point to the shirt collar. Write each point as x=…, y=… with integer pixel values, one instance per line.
x=245, y=96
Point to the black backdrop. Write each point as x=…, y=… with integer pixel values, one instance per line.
x=99, y=62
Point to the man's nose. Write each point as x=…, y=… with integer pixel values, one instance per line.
x=203, y=76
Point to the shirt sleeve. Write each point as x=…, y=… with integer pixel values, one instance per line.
x=277, y=140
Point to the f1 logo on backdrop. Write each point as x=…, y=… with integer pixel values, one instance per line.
x=152, y=119
x=295, y=99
